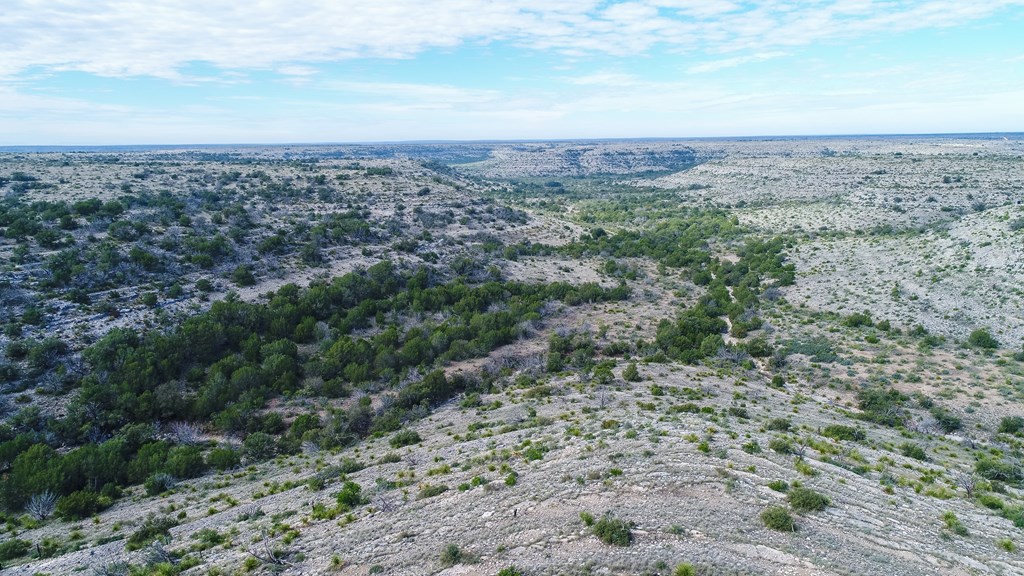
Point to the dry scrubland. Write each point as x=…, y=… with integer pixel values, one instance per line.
x=849, y=400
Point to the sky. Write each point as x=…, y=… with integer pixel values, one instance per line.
x=110, y=72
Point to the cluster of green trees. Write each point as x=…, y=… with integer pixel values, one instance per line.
x=88, y=478
x=678, y=242
x=48, y=222
x=696, y=332
x=220, y=367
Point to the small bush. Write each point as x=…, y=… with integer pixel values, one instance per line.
x=946, y=419
x=431, y=490
x=781, y=445
x=405, y=438
x=152, y=529
x=858, y=319
x=259, y=446
x=1006, y=544
x=778, y=518
x=982, y=338
x=840, y=432
x=350, y=466
x=882, y=406
x=14, y=548
x=242, y=276
x=511, y=571
x=739, y=412
x=779, y=485
x=954, y=525
x=913, y=451
x=999, y=470
x=159, y=483
x=613, y=531
x=221, y=459
x=685, y=570
x=81, y=504
x=807, y=500
x=1011, y=424
x=41, y=506
x=778, y=424
x=630, y=373
x=990, y=501
x=350, y=495
x=451, y=555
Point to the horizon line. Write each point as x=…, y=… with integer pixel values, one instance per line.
x=72, y=147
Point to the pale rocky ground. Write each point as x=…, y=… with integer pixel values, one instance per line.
x=687, y=505
x=963, y=271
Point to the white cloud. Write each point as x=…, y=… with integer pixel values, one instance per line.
x=296, y=70
x=604, y=79
x=716, y=65
x=425, y=94
x=162, y=37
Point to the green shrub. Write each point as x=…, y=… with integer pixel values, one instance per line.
x=778, y=518
x=779, y=485
x=511, y=571
x=431, y=490
x=259, y=446
x=185, y=462
x=350, y=495
x=982, y=338
x=954, y=525
x=999, y=470
x=685, y=570
x=242, y=276
x=451, y=555
x=946, y=419
x=1011, y=424
x=1014, y=514
x=350, y=466
x=807, y=500
x=1006, y=544
x=221, y=459
x=778, y=424
x=152, y=529
x=913, y=451
x=840, y=432
x=739, y=412
x=858, y=319
x=630, y=373
x=159, y=483
x=781, y=444
x=990, y=501
x=405, y=438
x=81, y=504
x=13, y=548
x=612, y=530
x=883, y=406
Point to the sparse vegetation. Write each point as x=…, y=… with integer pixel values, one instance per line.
x=807, y=500
x=778, y=518
x=198, y=335
x=611, y=530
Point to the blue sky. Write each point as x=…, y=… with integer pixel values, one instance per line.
x=96, y=72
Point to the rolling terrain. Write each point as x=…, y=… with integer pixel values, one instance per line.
x=742, y=356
